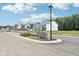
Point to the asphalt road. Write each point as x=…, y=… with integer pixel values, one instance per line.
x=11, y=45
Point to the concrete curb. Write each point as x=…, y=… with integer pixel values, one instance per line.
x=37, y=41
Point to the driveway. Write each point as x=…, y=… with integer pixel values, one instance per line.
x=11, y=45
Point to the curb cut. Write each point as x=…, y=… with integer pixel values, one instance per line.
x=37, y=41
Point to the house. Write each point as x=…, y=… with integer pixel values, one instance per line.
x=23, y=27
x=19, y=27
x=40, y=26
x=27, y=26
x=46, y=26
x=54, y=26
x=37, y=26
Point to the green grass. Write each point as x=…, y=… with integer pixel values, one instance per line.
x=72, y=33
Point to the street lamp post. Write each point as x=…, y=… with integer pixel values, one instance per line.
x=50, y=7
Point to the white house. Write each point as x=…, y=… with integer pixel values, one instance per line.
x=54, y=26
x=26, y=27
x=38, y=25
x=19, y=26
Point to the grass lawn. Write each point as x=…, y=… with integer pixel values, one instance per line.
x=71, y=33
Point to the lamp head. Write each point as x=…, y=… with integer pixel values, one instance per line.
x=50, y=6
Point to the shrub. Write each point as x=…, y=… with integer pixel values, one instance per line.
x=26, y=34
x=43, y=35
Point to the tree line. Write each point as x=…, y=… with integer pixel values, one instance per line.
x=68, y=23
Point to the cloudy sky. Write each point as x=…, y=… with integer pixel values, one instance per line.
x=12, y=13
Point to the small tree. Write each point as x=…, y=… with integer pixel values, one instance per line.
x=37, y=27
x=40, y=31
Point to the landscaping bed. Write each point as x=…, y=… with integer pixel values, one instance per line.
x=67, y=33
x=34, y=36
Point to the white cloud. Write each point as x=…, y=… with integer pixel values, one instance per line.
x=76, y=5
x=25, y=20
x=37, y=18
x=42, y=16
x=34, y=4
x=31, y=4
x=19, y=8
x=63, y=6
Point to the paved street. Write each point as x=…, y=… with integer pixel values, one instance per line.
x=11, y=45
